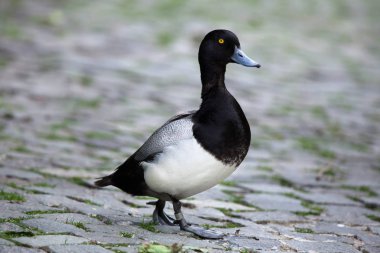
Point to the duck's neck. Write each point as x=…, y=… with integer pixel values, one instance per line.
x=212, y=76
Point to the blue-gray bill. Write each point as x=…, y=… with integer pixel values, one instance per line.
x=241, y=58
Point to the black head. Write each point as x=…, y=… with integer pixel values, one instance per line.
x=219, y=47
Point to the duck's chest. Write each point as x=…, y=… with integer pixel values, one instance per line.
x=223, y=130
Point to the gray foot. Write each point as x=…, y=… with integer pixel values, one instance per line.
x=160, y=217
x=201, y=232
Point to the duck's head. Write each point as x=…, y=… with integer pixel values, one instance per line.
x=220, y=47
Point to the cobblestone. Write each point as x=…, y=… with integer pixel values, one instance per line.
x=83, y=84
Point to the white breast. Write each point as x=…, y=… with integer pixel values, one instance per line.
x=185, y=169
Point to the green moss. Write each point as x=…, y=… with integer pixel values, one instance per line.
x=53, y=136
x=283, y=110
x=372, y=206
x=14, y=185
x=329, y=172
x=238, y=198
x=45, y=185
x=101, y=218
x=304, y=230
x=272, y=133
x=247, y=251
x=14, y=234
x=127, y=235
x=311, y=145
x=35, y=212
x=335, y=129
x=144, y=198
x=11, y=196
x=11, y=30
x=4, y=61
x=86, y=103
x=12, y=220
x=86, y=80
x=227, y=224
x=292, y=195
x=228, y=183
x=79, y=224
x=306, y=213
x=87, y=201
x=65, y=124
x=314, y=208
x=150, y=226
x=319, y=112
x=110, y=246
x=98, y=135
x=373, y=217
x=131, y=204
x=78, y=181
x=154, y=248
x=363, y=188
x=165, y=38
x=22, y=149
x=226, y=212
x=283, y=181
x=264, y=168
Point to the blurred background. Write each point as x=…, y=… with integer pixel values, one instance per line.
x=84, y=83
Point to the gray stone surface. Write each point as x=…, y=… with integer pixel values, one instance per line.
x=275, y=202
x=45, y=240
x=82, y=85
x=49, y=226
x=5, y=242
x=77, y=249
x=18, y=249
x=322, y=247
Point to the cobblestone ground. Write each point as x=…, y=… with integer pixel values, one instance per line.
x=84, y=83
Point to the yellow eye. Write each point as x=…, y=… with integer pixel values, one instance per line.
x=221, y=41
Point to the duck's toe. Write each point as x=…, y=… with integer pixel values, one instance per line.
x=201, y=232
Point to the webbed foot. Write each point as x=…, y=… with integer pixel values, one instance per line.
x=159, y=216
x=201, y=232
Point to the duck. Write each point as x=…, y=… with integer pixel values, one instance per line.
x=196, y=150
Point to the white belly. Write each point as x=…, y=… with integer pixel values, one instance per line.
x=185, y=169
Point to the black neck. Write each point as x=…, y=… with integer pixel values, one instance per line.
x=212, y=76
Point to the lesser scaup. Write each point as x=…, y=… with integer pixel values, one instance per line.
x=194, y=151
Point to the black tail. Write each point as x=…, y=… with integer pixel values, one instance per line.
x=104, y=181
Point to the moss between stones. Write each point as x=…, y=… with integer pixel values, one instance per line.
x=150, y=226
x=362, y=188
x=101, y=218
x=79, y=224
x=14, y=234
x=314, y=208
x=87, y=201
x=11, y=196
x=238, y=198
x=304, y=230
x=228, y=224
x=35, y=212
x=373, y=217
x=127, y=235
x=14, y=185
x=313, y=146
x=45, y=185
x=229, y=183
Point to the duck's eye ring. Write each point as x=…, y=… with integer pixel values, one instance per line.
x=221, y=41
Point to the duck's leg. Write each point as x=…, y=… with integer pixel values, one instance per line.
x=159, y=216
x=201, y=232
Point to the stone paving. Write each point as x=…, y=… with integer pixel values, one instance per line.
x=84, y=83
